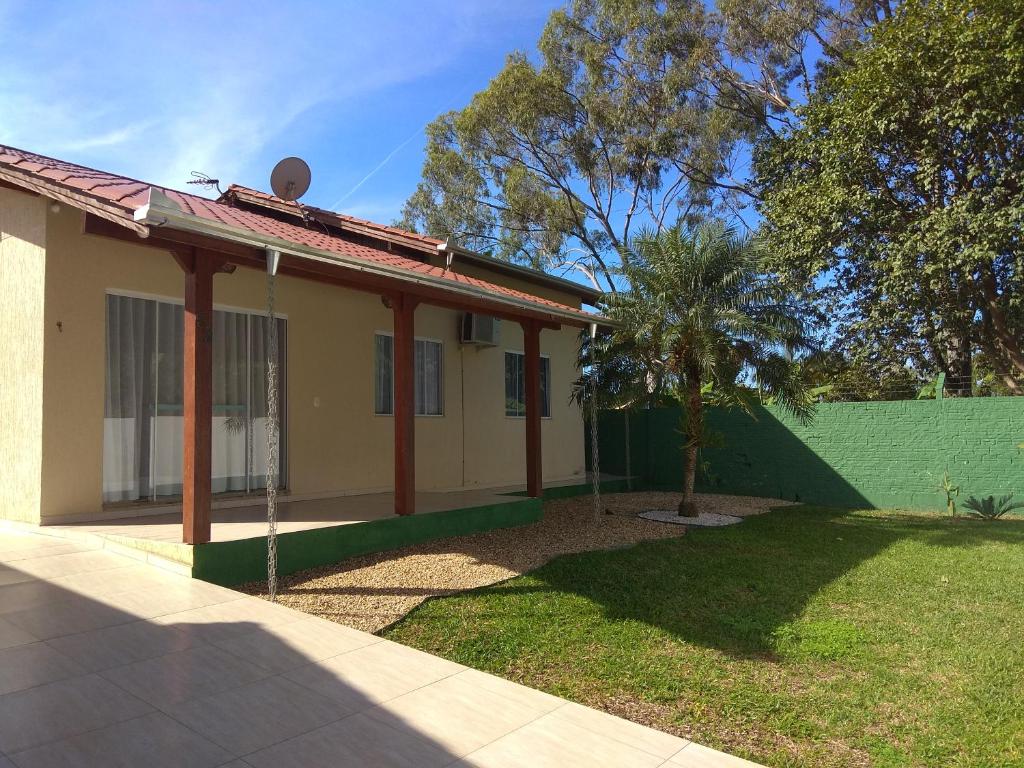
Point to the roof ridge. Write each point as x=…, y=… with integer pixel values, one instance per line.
x=339, y=214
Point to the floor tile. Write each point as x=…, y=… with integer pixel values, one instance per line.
x=376, y=673
x=28, y=594
x=551, y=743
x=112, y=580
x=257, y=715
x=11, y=635
x=698, y=756
x=66, y=617
x=163, y=600
x=10, y=575
x=354, y=742
x=542, y=702
x=52, y=566
x=287, y=646
x=26, y=666
x=153, y=741
x=457, y=715
x=222, y=620
x=61, y=710
x=658, y=743
x=119, y=645
x=13, y=551
x=201, y=670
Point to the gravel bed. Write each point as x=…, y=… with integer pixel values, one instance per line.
x=374, y=591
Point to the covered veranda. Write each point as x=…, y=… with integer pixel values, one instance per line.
x=203, y=250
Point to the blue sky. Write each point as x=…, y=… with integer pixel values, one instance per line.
x=155, y=90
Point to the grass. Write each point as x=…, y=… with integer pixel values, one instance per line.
x=804, y=637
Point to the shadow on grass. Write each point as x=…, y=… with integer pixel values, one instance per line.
x=735, y=588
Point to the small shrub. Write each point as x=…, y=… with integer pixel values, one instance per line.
x=951, y=491
x=991, y=509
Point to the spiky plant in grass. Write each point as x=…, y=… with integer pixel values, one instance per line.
x=701, y=306
x=952, y=490
x=991, y=508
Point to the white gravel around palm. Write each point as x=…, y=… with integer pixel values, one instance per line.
x=374, y=591
x=703, y=520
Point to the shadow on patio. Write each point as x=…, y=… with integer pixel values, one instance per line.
x=108, y=663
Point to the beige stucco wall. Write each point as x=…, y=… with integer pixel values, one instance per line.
x=22, y=265
x=335, y=442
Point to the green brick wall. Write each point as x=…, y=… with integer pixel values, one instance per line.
x=888, y=454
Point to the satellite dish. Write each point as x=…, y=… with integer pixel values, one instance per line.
x=290, y=178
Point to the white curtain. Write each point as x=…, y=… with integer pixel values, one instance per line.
x=143, y=414
x=130, y=399
x=427, y=379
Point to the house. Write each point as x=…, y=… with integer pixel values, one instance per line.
x=133, y=354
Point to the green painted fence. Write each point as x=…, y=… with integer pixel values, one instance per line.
x=888, y=454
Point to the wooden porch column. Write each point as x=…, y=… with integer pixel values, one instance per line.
x=404, y=307
x=531, y=354
x=198, y=400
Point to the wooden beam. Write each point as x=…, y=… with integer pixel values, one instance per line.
x=74, y=198
x=531, y=353
x=346, y=277
x=16, y=188
x=403, y=306
x=224, y=255
x=197, y=467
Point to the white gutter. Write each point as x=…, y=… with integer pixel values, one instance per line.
x=161, y=211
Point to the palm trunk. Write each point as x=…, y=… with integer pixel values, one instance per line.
x=695, y=422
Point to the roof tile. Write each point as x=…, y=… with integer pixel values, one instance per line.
x=130, y=194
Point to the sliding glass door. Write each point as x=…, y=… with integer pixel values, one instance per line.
x=143, y=413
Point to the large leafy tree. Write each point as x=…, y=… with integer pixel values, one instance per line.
x=636, y=112
x=700, y=306
x=898, y=196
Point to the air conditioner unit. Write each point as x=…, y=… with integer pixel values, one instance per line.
x=479, y=329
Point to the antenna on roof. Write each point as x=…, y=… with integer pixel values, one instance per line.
x=204, y=180
x=290, y=179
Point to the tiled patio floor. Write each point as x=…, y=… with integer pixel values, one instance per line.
x=108, y=662
x=249, y=520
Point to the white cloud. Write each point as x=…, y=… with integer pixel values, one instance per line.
x=156, y=91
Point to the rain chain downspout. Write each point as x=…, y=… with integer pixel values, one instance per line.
x=273, y=431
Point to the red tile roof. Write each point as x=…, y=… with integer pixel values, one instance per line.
x=238, y=189
x=125, y=195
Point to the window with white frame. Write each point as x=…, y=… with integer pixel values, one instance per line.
x=515, y=385
x=428, y=365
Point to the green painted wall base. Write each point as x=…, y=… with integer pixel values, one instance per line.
x=236, y=562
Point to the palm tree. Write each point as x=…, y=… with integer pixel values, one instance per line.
x=700, y=306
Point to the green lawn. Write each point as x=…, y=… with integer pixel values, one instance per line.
x=807, y=636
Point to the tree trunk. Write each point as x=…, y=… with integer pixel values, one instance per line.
x=695, y=427
x=688, y=507
x=1003, y=338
